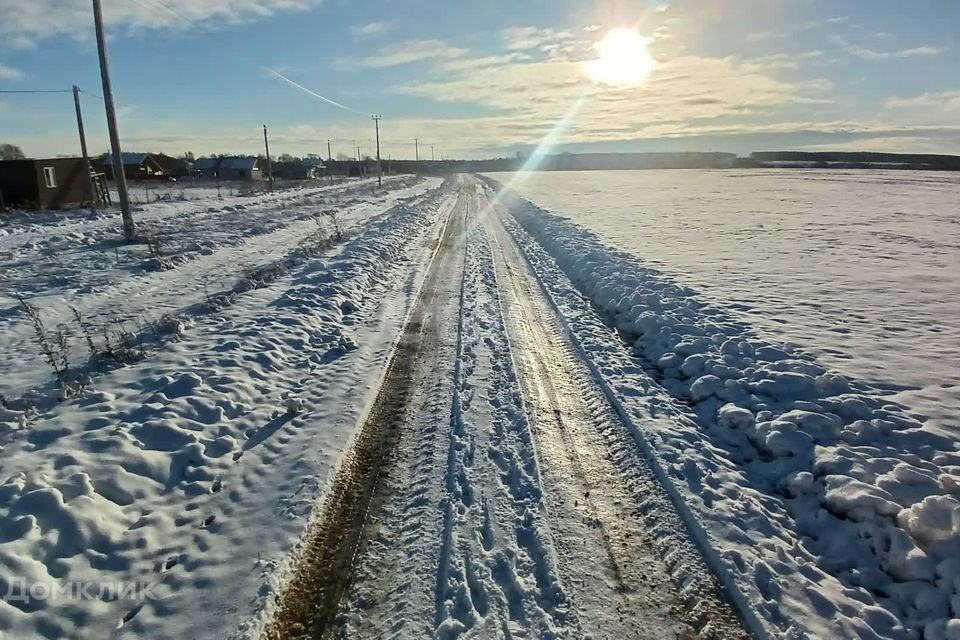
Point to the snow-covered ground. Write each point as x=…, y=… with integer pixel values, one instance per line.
x=860, y=268
x=832, y=501
x=61, y=262
x=164, y=501
x=495, y=421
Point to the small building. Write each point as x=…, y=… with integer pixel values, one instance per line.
x=205, y=167
x=240, y=168
x=297, y=170
x=172, y=167
x=136, y=166
x=44, y=184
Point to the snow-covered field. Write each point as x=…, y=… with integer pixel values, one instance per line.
x=61, y=262
x=860, y=268
x=830, y=499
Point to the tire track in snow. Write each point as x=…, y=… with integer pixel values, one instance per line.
x=692, y=561
x=512, y=501
x=310, y=604
x=498, y=573
x=592, y=465
x=392, y=594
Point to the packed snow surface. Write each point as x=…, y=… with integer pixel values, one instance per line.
x=861, y=268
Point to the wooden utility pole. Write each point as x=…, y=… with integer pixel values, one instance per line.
x=266, y=143
x=376, y=123
x=329, y=162
x=129, y=230
x=432, y=157
x=416, y=149
x=83, y=149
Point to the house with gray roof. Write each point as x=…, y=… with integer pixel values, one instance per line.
x=240, y=168
x=136, y=166
x=205, y=167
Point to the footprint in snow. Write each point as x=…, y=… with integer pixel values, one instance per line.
x=130, y=615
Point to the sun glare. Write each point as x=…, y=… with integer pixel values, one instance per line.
x=623, y=59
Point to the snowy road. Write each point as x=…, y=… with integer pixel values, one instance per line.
x=493, y=491
x=466, y=418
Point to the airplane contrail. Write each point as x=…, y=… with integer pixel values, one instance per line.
x=304, y=89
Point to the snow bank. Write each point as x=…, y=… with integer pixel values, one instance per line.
x=842, y=508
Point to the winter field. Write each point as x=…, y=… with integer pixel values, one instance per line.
x=609, y=405
x=860, y=268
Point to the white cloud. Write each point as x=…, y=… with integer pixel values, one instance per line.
x=872, y=54
x=527, y=94
x=931, y=106
x=404, y=53
x=25, y=23
x=371, y=29
x=935, y=99
x=787, y=60
x=527, y=38
x=10, y=73
x=767, y=35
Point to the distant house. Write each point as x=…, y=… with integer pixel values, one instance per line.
x=297, y=170
x=44, y=184
x=205, y=167
x=136, y=166
x=172, y=167
x=240, y=168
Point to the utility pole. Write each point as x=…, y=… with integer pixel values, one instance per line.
x=432, y=157
x=83, y=149
x=129, y=230
x=376, y=123
x=329, y=162
x=266, y=143
x=416, y=149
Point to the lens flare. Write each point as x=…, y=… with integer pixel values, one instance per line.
x=623, y=59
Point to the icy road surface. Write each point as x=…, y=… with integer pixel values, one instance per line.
x=493, y=492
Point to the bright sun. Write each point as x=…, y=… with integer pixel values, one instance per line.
x=623, y=59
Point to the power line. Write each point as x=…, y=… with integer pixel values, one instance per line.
x=89, y=93
x=40, y=91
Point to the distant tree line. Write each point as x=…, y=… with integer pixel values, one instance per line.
x=864, y=159
x=344, y=163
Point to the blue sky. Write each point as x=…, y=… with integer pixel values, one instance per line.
x=486, y=78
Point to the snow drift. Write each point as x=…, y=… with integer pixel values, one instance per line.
x=839, y=509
